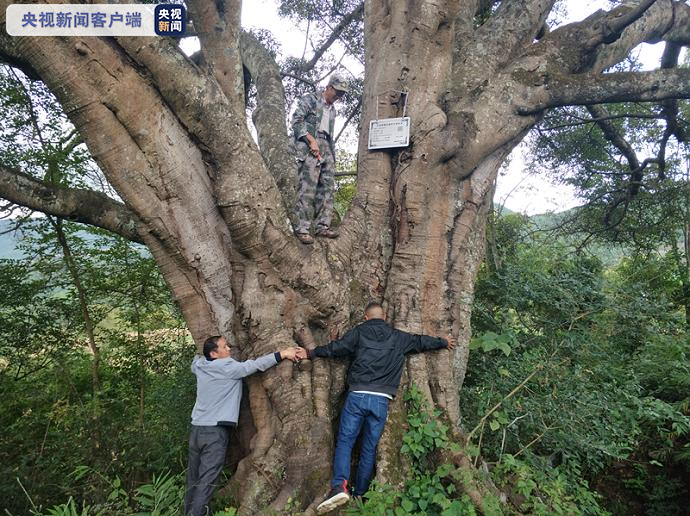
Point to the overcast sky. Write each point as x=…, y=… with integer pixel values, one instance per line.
x=518, y=190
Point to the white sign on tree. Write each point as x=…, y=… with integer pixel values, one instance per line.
x=389, y=132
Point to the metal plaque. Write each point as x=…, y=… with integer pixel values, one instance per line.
x=389, y=132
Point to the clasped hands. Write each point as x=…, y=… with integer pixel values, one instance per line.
x=294, y=353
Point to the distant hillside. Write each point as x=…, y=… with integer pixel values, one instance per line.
x=609, y=254
x=9, y=241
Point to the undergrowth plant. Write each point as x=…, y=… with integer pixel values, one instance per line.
x=431, y=489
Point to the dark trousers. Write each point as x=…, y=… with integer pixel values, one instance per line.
x=207, y=446
x=366, y=412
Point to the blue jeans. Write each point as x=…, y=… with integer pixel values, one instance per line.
x=369, y=411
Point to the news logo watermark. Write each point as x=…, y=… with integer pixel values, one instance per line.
x=170, y=19
x=96, y=20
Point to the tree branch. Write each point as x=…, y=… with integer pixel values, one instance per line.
x=464, y=22
x=606, y=38
x=341, y=30
x=217, y=23
x=669, y=110
x=595, y=88
x=269, y=115
x=196, y=98
x=679, y=32
x=471, y=13
x=335, y=34
x=583, y=121
x=665, y=20
x=8, y=54
x=298, y=78
x=609, y=28
x=254, y=213
x=518, y=22
x=80, y=205
x=152, y=162
x=611, y=133
x=352, y=114
x=493, y=409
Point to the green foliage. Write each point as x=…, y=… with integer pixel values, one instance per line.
x=532, y=487
x=70, y=509
x=425, y=434
x=92, y=432
x=162, y=497
x=545, y=491
x=489, y=341
x=641, y=208
x=228, y=511
x=133, y=427
x=38, y=139
x=322, y=15
x=604, y=352
x=346, y=186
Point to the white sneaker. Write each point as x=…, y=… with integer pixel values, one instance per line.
x=336, y=497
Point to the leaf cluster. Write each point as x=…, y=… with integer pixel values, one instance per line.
x=430, y=488
x=596, y=378
x=128, y=427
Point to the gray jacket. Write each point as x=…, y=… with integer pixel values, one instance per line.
x=219, y=387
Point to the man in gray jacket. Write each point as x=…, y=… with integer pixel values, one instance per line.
x=217, y=407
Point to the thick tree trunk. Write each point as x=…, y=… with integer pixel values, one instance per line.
x=434, y=225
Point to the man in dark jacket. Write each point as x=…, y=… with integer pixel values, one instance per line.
x=378, y=356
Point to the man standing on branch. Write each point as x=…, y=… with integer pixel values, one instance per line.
x=217, y=407
x=378, y=357
x=312, y=124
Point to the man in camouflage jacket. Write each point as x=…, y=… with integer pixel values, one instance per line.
x=313, y=124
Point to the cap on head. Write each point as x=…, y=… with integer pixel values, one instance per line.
x=338, y=82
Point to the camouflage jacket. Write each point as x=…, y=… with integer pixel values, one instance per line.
x=307, y=119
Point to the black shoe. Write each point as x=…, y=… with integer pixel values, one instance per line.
x=336, y=497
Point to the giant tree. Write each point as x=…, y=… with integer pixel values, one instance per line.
x=212, y=205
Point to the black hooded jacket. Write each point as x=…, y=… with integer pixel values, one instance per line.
x=378, y=354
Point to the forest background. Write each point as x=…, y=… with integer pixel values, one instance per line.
x=576, y=398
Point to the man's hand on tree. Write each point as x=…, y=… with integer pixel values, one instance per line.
x=451, y=341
